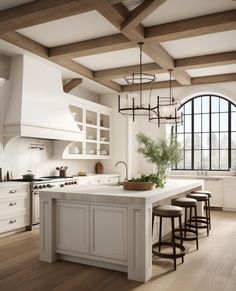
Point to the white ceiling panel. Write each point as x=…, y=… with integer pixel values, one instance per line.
x=227, y=69
x=201, y=45
x=159, y=78
x=173, y=10
x=114, y=59
x=5, y=4
x=71, y=29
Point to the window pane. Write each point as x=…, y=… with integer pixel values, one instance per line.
x=215, y=140
x=233, y=140
x=188, y=160
x=205, y=104
x=233, y=121
x=188, y=141
x=233, y=108
x=188, y=108
x=205, y=160
x=205, y=123
x=180, y=139
x=233, y=159
x=215, y=160
x=197, y=141
x=197, y=105
x=224, y=105
x=188, y=123
x=197, y=160
x=224, y=140
x=215, y=104
x=224, y=160
x=205, y=140
x=197, y=123
x=215, y=122
x=223, y=121
x=180, y=164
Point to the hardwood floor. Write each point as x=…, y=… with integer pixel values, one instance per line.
x=212, y=268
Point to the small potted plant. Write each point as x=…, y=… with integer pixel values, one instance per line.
x=162, y=153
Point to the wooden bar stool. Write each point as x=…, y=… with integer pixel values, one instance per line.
x=172, y=212
x=188, y=204
x=208, y=193
x=202, y=221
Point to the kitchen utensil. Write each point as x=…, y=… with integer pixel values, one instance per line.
x=99, y=168
x=28, y=176
x=62, y=171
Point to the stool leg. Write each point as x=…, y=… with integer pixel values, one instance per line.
x=153, y=217
x=173, y=240
x=196, y=228
x=181, y=234
x=185, y=220
x=160, y=231
x=206, y=208
x=190, y=217
x=209, y=212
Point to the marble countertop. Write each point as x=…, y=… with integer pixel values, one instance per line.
x=101, y=193
x=12, y=184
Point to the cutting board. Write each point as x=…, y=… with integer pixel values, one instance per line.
x=99, y=168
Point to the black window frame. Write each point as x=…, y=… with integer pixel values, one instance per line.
x=229, y=132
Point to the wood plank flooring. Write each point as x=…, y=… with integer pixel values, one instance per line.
x=212, y=268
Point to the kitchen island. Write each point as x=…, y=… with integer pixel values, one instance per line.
x=104, y=226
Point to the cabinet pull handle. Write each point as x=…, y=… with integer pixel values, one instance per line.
x=12, y=221
x=12, y=204
x=12, y=191
x=99, y=181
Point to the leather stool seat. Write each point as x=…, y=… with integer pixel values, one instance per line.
x=184, y=202
x=167, y=211
x=208, y=193
x=198, y=197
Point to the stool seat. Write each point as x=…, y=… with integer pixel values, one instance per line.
x=198, y=197
x=167, y=211
x=184, y=202
x=208, y=193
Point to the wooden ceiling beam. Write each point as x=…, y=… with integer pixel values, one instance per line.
x=206, y=61
x=92, y=46
x=195, y=81
x=72, y=84
x=28, y=44
x=192, y=27
x=117, y=14
x=116, y=73
x=140, y=13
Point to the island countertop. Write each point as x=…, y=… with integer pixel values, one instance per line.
x=101, y=193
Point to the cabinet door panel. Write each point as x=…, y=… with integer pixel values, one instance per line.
x=229, y=194
x=72, y=227
x=109, y=232
x=215, y=186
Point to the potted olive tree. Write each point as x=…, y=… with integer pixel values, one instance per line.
x=163, y=153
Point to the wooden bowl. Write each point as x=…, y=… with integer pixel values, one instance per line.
x=141, y=186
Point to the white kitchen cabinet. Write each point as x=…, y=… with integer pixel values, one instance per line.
x=94, y=120
x=215, y=185
x=229, y=202
x=14, y=206
x=72, y=228
x=103, y=179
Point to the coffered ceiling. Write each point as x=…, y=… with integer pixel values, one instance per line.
x=97, y=40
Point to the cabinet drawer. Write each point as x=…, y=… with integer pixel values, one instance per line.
x=14, y=191
x=8, y=206
x=13, y=222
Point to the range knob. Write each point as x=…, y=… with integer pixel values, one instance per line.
x=49, y=186
x=44, y=186
x=36, y=187
x=67, y=183
x=62, y=185
x=75, y=182
x=40, y=186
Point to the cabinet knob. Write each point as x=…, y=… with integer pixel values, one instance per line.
x=12, y=221
x=12, y=204
x=12, y=191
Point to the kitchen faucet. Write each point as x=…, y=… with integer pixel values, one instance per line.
x=126, y=168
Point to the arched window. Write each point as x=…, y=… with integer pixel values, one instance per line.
x=208, y=134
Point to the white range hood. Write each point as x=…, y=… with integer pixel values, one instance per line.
x=36, y=106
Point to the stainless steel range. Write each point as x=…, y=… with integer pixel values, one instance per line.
x=44, y=183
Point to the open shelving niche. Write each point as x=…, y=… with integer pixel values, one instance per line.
x=94, y=120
